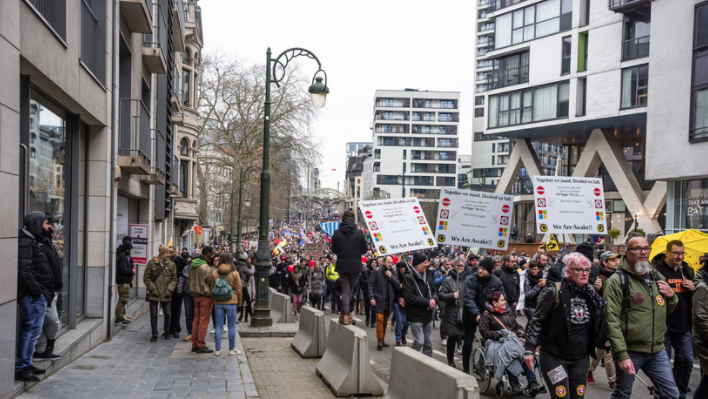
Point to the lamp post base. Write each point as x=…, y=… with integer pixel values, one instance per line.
x=261, y=309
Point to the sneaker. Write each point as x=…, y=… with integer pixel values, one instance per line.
x=612, y=386
x=534, y=388
x=444, y=342
x=126, y=317
x=226, y=328
x=160, y=312
x=26, y=375
x=459, y=350
x=234, y=352
x=154, y=338
x=46, y=355
x=121, y=322
x=590, y=379
x=212, y=331
x=204, y=350
x=188, y=337
x=516, y=389
x=217, y=352
x=37, y=370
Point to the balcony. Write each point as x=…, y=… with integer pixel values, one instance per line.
x=134, y=141
x=392, y=103
x=509, y=77
x=486, y=41
x=137, y=14
x=391, y=129
x=635, y=48
x=177, y=117
x=630, y=7
x=158, y=163
x=392, y=117
x=176, y=100
x=154, y=44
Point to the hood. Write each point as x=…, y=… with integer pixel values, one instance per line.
x=198, y=262
x=224, y=269
x=348, y=226
x=33, y=222
x=701, y=276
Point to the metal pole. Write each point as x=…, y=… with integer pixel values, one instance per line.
x=261, y=309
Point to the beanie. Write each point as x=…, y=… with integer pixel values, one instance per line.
x=243, y=256
x=585, y=249
x=487, y=264
x=418, y=258
x=163, y=249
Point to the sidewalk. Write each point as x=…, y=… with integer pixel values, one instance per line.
x=130, y=366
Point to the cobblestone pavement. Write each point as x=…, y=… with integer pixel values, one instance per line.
x=279, y=372
x=130, y=366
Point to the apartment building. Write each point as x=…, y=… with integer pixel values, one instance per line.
x=354, y=147
x=354, y=179
x=415, y=143
x=86, y=134
x=577, y=74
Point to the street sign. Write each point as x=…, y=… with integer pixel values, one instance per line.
x=139, y=253
x=197, y=230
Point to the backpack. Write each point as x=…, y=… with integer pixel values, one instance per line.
x=222, y=290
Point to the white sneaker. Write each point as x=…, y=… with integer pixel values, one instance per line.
x=217, y=353
x=211, y=332
x=234, y=352
x=160, y=312
x=444, y=342
x=226, y=329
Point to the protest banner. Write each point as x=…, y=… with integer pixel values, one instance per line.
x=474, y=219
x=315, y=249
x=139, y=253
x=397, y=225
x=569, y=205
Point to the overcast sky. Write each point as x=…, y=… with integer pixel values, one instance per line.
x=363, y=46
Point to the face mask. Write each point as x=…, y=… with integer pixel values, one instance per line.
x=48, y=232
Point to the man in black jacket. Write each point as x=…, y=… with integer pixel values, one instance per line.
x=420, y=298
x=45, y=344
x=510, y=280
x=176, y=305
x=477, y=286
x=383, y=283
x=34, y=290
x=124, y=279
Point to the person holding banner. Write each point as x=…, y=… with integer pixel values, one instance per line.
x=349, y=244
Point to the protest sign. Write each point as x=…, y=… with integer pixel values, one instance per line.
x=139, y=253
x=397, y=225
x=315, y=249
x=474, y=219
x=569, y=205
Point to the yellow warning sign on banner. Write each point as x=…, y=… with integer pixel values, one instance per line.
x=552, y=244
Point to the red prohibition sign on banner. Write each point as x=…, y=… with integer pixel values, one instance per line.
x=446, y=201
x=596, y=191
x=505, y=209
x=416, y=209
x=198, y=230
x=540, y=190
x=368, y=214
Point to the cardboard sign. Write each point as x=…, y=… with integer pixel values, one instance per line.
x=474, y=219
x=395, y=226
x=569, y=205
x=139, y=253
x=315, y=249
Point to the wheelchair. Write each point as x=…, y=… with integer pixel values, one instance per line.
x=484, y=375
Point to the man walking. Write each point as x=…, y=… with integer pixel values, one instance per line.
x=45, y=345
x=34, y=290
x=635, y=318
x=510, y=280
x=160, y=280
x=176, y=303
x=679, y=275
x=608, y=265
x=383, y=283
x=332, y=277
x=202, y=299
x=124, y=281
x=420, y=298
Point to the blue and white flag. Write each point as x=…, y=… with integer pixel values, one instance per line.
x=329, y=227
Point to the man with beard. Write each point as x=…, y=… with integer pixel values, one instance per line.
x=638, y=301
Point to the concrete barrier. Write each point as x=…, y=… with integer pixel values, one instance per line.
x=414, y=375
x=281, y=307
x=345, y=366
x=310, y=340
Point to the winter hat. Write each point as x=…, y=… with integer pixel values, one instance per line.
x=585, y=249
x=163, y=249
x=418, y=258
x=243, y=256
x=487, y=264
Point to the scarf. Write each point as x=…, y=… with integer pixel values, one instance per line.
x=296, y=276
x=534, y=280
x=493, y=310
x=589, y=292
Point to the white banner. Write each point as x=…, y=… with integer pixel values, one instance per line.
x=569, y=205
x=474, y=219
x=397, y=225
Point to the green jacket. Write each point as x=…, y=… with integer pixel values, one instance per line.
x=160, y=290
x=700, y=316
x=636, y=327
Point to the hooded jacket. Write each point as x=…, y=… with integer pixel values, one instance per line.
x=349, y=244
x=161, y=289
x=124, y=271
x=34, y=275
x=54, y=262
x=511, y=281
x=197, y=277
x=637, y=327
x=476, y=291
x=244, y=272
x=233, y=278
x=700, y=316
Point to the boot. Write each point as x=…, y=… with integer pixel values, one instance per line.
x=347, y=320
x=245, y=319
x=341, y=318
x=240, y=314
x=361, y=308
x=48, y=353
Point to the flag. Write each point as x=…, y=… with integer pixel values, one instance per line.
x=329, y=227
x=552, y=244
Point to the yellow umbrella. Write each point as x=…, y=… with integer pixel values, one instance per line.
x=695, y=242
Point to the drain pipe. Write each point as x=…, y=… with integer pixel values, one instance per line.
x=112, y=234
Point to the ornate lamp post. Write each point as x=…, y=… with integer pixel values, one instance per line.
x=240, y=204
x=318, y=91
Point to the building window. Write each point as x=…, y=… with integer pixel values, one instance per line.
x=444, y=155
x=565, y=56
x=443, y=168
x=510, y=70
x=493, y=158
x=445, y=143
x=446, y=117
x=635, y=81
x=185, y=87
x=404, y=154
x=416, y=155
x=699, y=98
x=93, y=37
x=479, y=100
x=388, y=115
x=529, y=105
x=581, y=97
x=388, y=102
x=416, y=116
x=538, y=20
x=636, y=40
x=53, y=12
x=185, y=58
x=184, y=148
x=404, y=167
x=583, y=51
x=493, y=147
x=585, y=12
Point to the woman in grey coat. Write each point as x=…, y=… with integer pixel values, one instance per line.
x=451, y=293
x=245, y=272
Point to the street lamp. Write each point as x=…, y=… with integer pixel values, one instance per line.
x=318, y=90
x=242, y=179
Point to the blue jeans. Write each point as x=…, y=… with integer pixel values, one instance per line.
x=422, y=337
x=32, y=311
x=683, y=360
x=231, y=311
x=530, y=376
x=401, y=323
x=656, y=366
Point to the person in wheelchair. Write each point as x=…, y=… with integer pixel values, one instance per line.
x=496, y=318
